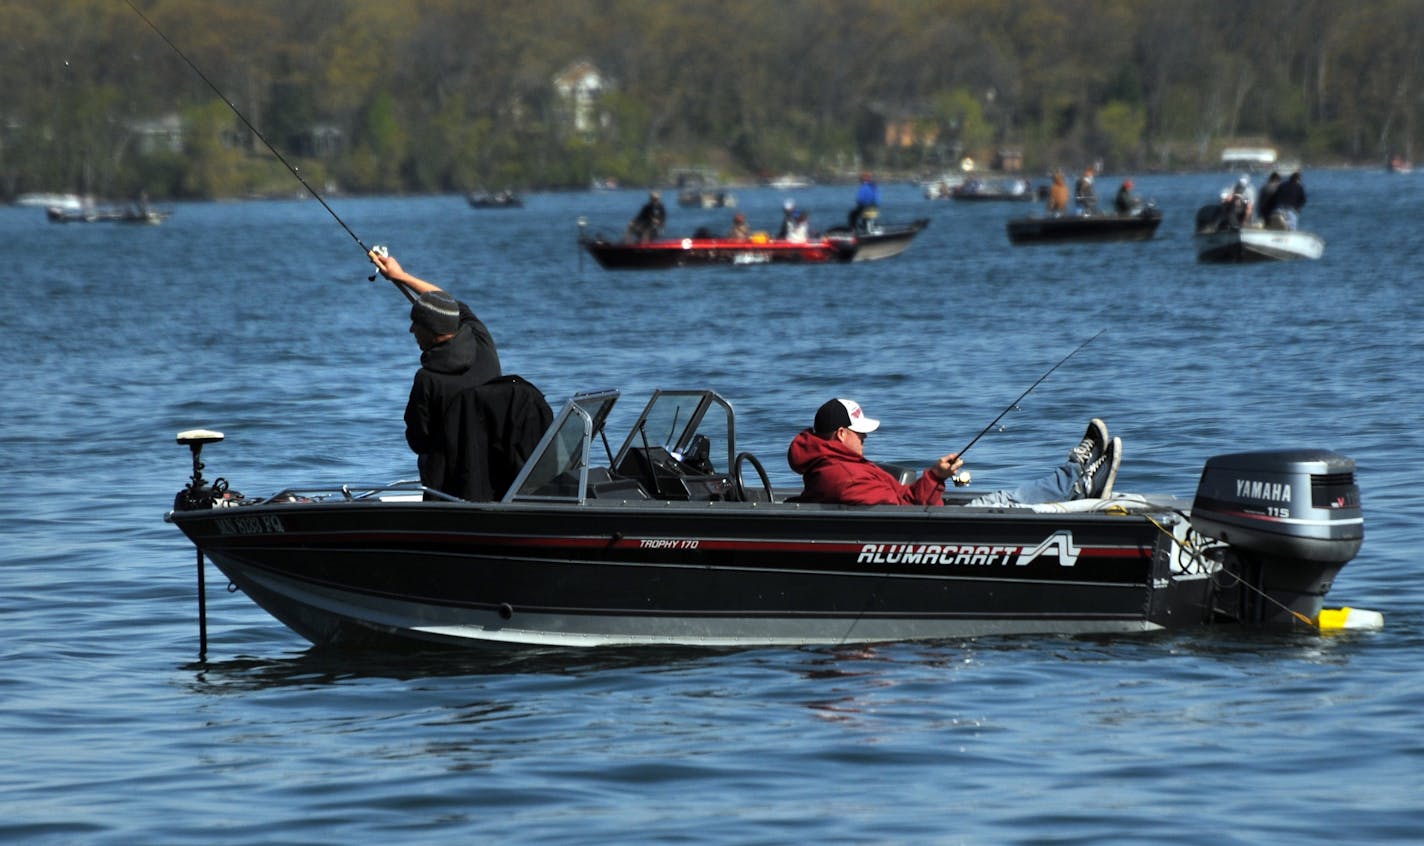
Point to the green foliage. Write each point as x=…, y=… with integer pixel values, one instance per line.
x=455, y=95
x=214, y=168
x=1120, y=126
x=961, y=119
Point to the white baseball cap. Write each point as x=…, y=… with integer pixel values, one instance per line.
x=843, y=413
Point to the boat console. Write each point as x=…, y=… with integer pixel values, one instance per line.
x=682, y=447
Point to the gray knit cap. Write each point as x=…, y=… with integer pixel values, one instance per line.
x=436, y=311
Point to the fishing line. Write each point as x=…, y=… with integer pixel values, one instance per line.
x=364, y=249
x=1197, y=555
x=1016, y=402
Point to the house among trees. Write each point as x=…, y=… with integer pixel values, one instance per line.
x=1009, y=160
x=579, y=86
x=158, y=135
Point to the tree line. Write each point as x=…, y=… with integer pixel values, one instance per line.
x=453, y=95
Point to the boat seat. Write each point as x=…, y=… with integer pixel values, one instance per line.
x=903, y=474
x=617, y=489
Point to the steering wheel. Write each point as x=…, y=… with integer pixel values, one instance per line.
x=740, y=484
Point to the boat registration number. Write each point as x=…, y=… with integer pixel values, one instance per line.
x=266, y=524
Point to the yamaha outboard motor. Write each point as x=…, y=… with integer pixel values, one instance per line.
x=1292, y=520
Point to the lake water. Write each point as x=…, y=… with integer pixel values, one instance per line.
x=257, y=319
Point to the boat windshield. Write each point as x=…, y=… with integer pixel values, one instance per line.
x=558, y=468
x=693, y=426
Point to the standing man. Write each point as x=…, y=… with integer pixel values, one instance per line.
x=1266, y=202
x=649, y=222
x=867, y=197
x=456, y=352
x=1085, y=194
x=1290, y=199
x=1058, y=194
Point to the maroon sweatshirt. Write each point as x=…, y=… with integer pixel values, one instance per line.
x=831, y=472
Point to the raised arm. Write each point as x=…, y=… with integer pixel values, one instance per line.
x=392, y=270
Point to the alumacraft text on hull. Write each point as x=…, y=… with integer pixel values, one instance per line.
x=672, y=540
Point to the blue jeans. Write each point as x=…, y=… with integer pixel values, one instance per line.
x=1055, y=487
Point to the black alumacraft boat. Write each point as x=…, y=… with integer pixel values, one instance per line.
x=679, y=539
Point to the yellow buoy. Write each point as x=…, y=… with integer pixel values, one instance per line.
x=1336, y=619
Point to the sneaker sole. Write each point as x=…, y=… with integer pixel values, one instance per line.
x=1114, y=461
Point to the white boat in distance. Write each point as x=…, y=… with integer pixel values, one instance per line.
x=1258, y=244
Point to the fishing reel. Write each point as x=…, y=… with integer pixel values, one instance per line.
x=382, y=251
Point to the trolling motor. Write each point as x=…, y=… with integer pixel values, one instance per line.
x=198, y=494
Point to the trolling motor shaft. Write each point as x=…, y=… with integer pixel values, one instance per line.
x=199, y=495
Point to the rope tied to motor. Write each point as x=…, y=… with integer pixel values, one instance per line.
x=1198, y=554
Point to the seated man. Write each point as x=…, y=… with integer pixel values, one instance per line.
x=1125, y=202
x=740, y=230
x=830, y=457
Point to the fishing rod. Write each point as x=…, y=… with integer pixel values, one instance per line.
x=964, y=478
x=365, y=251
x=1015, y=403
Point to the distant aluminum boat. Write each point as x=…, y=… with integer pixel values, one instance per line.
x=67, y=202
x=499, y=200
x=1012, y=190
x=1252, y=244
x=875, y=241
x=1221, y=237
x=706, y=198
x=789, y=181
x=1140, y=225
x=93, y=214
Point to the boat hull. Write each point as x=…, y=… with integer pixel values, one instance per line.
x=1255, y=245
x=661, y=547
x=150, y=217
x=695, y=252
x=494, y=574
x=1093, y=228
x=882, y=242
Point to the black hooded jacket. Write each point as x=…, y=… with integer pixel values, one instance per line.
x=467, y=359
